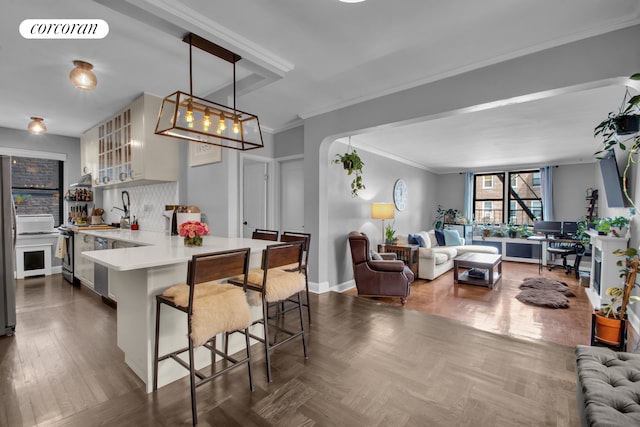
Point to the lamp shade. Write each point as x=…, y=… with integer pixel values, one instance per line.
x=382, y=210
x=36, y=126
x=82, y=77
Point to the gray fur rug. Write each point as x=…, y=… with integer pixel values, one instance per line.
x=544, y=292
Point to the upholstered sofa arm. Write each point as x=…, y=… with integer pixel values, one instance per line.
x=425, y=253
x=378, y=265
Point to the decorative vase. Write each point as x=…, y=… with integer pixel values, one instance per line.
x=193, y=241
x=388, y=241
x=607, y=329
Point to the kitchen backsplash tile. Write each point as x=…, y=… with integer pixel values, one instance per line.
x=147, y=204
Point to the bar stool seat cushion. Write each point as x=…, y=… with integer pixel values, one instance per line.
x=280, y=284
x=217, y=308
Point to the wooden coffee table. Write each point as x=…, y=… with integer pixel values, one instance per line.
x=480, y=261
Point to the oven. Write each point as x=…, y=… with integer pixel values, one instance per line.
x=35, y=239
x=67, y=256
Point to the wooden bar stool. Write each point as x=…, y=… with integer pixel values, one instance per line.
x=260, y=234
x=295, y=236
x=276, y=285
x=212, y=309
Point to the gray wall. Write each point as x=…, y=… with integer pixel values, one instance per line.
x=570, y=183
x=23, y=140
x=289, y=142
x=348, y=213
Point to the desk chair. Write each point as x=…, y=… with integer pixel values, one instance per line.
x=563, y=249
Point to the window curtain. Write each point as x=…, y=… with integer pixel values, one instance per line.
x=468, y=195
x=546, y=185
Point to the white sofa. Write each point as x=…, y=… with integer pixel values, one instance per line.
x=435, y=260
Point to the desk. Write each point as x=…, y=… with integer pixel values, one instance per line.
x=544, y=244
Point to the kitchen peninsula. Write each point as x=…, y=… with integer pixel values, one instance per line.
x=138, y=274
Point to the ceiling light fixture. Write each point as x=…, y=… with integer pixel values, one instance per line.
x=188, y=117
x=36, y=126
x=82, y=77
x=352, y=1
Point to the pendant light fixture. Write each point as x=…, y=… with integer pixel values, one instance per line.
x=189, y=117
x=82, y=77
x=36, y=126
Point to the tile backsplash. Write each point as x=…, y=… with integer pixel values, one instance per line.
x=147, y=204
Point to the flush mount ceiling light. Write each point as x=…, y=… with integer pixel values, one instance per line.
x=36, y=126
x=82, y=77
x=352, y=1
x=196, y=119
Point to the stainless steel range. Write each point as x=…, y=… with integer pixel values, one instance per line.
x=66, y=234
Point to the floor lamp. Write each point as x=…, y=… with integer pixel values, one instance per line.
x=382, y=211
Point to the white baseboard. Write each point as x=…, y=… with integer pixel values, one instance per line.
x=344, y=286
x=319, y=288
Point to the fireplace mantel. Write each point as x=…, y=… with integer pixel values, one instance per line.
x=607, y=274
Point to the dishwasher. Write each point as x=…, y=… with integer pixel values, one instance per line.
x=100, y=272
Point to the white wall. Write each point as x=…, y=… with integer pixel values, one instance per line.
x=570, y=183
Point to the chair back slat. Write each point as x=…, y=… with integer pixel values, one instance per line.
x=271, y=235
x=282, y=254
x=218, y=265
x=292, y=236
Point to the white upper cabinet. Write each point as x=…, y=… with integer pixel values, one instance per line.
x=126, y=149
x=89, y=152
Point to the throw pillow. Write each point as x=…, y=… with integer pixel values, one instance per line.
x=452, y=238
x=420, y=241
x=412, y=239
x=375, y=256
x=440, y=238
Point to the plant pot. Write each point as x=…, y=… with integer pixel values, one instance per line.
x=348, y=165
x=486, y=232
x=607, y=329
x=388, y=241
x=627, y=124
x=513, y=234
x=619, y=231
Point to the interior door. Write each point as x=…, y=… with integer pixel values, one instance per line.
x=254, y=199
x=292, y=195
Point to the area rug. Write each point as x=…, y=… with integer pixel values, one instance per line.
x=544, y=292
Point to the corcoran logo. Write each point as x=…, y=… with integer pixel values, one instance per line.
x=64, y=29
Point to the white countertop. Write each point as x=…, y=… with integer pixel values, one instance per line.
x=159, y=249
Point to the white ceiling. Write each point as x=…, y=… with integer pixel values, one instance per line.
x=302, y=58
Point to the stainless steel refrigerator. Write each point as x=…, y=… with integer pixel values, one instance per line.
x=7, y=246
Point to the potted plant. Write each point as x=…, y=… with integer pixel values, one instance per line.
x=512, y=230
x=610, y=317
x=389, y=234
x=603, y=227
x=525, y=231
x=621, y=123
x=619, y=226
x=353, y=164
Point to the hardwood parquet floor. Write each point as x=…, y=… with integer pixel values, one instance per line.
x=497, y=310
x=370, y=364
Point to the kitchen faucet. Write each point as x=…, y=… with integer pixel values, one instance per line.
x=125, y=209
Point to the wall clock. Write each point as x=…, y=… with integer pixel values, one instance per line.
x=400, y=194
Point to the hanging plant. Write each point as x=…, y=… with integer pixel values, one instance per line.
x=625, y=123
x=353, y=165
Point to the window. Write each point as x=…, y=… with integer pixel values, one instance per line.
x=36, y=186
x=487, y=181
x=488, y=198
x=519, y=202
x=525, y=201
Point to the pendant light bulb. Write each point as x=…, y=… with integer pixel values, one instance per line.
x=188, y=117
x=206, y=122
x=82, y=77
x=236, y=126
x=36, y=126
x=222, y=126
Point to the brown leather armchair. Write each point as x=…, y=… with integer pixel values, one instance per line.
x=378, y=278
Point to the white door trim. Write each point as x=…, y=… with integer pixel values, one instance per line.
x=271, y=189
